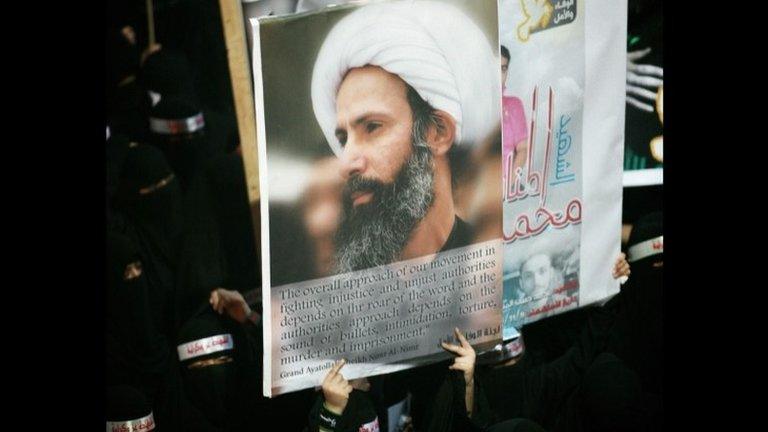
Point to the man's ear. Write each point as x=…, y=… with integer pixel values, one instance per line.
x=442, y=132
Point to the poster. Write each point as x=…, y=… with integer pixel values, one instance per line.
x=562, y=144
x=379, y=164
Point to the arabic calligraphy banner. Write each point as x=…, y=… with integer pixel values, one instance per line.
x=562, y=144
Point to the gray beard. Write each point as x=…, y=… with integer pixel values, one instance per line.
x=375, y=234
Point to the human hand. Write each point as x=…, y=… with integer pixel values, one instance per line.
x=232, y=302
x=465, y=362
x=621, y=267
x=336, y=389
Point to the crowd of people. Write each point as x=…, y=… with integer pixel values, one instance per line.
x=183, y=314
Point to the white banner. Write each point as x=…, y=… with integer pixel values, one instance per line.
x=562, y=150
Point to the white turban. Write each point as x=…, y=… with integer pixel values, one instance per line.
x=434, y=47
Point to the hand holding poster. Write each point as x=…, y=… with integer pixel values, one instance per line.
x=378, y=234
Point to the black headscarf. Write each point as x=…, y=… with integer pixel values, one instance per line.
x=137, y=353
x=181, y=133
x=185, y=147
x=190, y=151
x=149, y=201
x=149, y=196
x=168, y=73
x=127, y=103
x=211, y=389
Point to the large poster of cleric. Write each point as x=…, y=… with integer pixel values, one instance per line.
x=545, y=156
x=380, y=234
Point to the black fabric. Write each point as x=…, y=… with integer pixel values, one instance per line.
x=516, y=425
x=235, y=222
x=156, y=214
x=611, y=397
x=144, y=167
x=127, y=108
x=124, y=12
x=203, y=42
x=210, y=389
x=168, y=73
x=290, y=249
x=136, y=353
x=359, y=411
x=327, y=419
x=214, y=389
x=549, y=338
x=221, y=129
x=153, y=222
x=447, y=410
x=548, y=393
x=567, y=391
x=638, y=337
x=437, y=403
x=178, y=106
x=594, y=386
x=122, y=57
x=190, y=153
x=204, y=324
x=238, y=384
x=201, y=265
x=647, y=227
x=461, y=235
x=124, y=402
x=186, y=152
x=115, y=153
x=126, y=101
x=286, y=412
x=639, y=200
